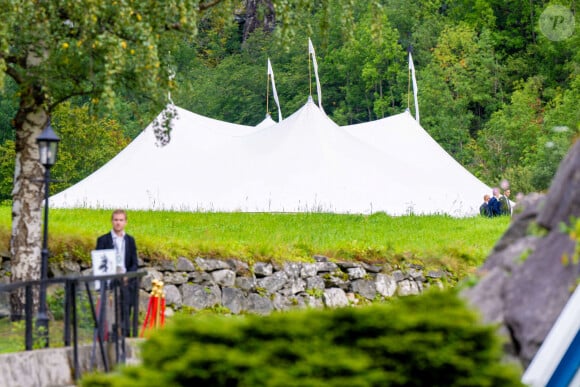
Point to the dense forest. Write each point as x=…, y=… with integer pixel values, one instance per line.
x=498, y=81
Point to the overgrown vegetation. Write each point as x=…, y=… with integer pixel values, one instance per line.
x=439, y=241
x=12, y=333
x=433, y=340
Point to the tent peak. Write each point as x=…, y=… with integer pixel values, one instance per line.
x=311, y=101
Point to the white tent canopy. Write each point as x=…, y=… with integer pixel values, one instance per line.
x=401, y=137
x=304, y=163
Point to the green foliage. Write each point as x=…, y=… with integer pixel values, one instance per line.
x=99, y=139
x=525, y=254
x=12, y=333
x=536, y=230
x=7, y=156
x=564, y=112
x=460, y=88
x=8, y=108
x=404, y=343
x=261, y=291
x=89, y=47
x=219, y=93
x=366, y=69
x=477, y=13
x=314, y=292
x=551, y=150
x=55, y=303
x=573, y=230
x=510, y=137
x=87, y=143
x=40, y=337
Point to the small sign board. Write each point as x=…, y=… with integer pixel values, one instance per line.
x=104, y=263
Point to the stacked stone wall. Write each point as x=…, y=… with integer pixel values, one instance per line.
x=264, y=286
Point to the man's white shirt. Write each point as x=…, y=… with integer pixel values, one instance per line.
x=119, y=244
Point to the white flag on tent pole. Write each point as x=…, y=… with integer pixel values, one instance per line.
x=315, y=65
x=271, y=74
x=412, y=68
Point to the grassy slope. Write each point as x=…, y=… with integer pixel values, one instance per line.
x=456, y=244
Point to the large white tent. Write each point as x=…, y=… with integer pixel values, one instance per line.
x=304, y=163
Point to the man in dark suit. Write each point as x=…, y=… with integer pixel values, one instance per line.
x=484, y=209
x=505, y=205
x=494, y=204
x=126, y=261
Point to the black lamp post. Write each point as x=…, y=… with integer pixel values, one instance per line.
x=47, y=149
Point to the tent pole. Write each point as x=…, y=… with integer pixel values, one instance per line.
x=409, y=86
x=309, y=75
x=267, y=94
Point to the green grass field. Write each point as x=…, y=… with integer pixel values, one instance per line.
x=438, y=242
x=443, y=240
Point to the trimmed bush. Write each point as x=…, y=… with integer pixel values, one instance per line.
x=428, y=340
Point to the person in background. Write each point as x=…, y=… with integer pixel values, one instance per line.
x=126, y=259
x=494, y=204
x=505, y=205
x=484, y=208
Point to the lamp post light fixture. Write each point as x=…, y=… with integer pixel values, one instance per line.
x=47, y=148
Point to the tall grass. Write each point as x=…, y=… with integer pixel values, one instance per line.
x=275, y=236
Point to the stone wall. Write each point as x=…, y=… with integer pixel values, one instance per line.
x=53, y=366
x=264, y=287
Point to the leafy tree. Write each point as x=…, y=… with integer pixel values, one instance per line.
x=365, y=69
x=60, y=49
x=219, y=92
x=560, y=126
x=466, y=59
x=510, y=138
x=446, y=119
x=476, y=13
x=460, y=88
x=551, y=149
x=563, y=108
x=100, y=140
x=514, y=23
x=87, y=144
x=218, y=36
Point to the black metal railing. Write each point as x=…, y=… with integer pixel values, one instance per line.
x=108, y=306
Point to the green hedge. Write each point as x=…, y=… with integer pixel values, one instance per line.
x=428, y=340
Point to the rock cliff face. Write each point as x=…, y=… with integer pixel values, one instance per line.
x=533, y=269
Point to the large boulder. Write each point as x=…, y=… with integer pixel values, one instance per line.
x=531, y=273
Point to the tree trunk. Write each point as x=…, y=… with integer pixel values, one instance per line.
x=27, y=196
x=259, y=13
